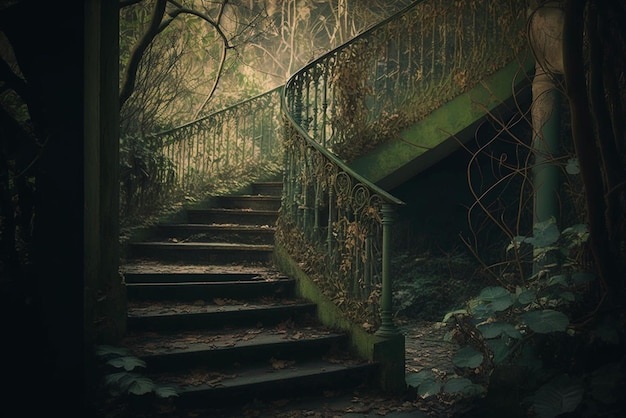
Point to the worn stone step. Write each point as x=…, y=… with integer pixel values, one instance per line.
x=191, y=277
x=202, y=252
x=232, y=216
x=211, y=390
x=221, y=350
x=216, y=314
x=257, y=202
x=155, y=271
x=272, y=188
x=195, y=290
x=190, y=232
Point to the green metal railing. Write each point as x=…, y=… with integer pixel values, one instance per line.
x=229, y=144
x=336, y=223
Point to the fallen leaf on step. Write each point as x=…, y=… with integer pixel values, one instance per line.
x=281, y=364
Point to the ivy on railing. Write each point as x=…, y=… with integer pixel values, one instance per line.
x=366, y=91
x=335, y=222
x=184, y=163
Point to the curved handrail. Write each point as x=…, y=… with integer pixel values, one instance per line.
x=216, y=113
x=387, y=197
x=357, y=96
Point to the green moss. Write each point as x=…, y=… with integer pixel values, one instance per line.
x=388, y=352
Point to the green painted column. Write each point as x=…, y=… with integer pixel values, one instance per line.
x=387, y=327
x=546, y=147
x=546, y=39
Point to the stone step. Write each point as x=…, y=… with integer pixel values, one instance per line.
x=257, y=202
x=232, y=216
x=211, y=316
x=208, y=290
x=241, y=386
x=216, y=314
x=188, y=232
x=270, y=188
x=202, y=252
x=173, y=277
x=155, y=271
x=224, y=350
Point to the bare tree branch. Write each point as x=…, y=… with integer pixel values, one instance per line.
x=130, y=76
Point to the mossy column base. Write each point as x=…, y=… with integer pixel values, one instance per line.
x=389, y=353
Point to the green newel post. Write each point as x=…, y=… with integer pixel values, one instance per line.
x=546, y=171
x=546, y=39
x=387, y=327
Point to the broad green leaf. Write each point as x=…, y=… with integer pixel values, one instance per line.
x=463, y=386
x=496, y=329
x=545, y=233
x=165, y=391
x=467, y=357
x=416, y=379
x=123, y=380
x=527, y=296
x=128, y=362
x=497, y=298
x=482, y=312
x=545, y=321
x=116, y=378
x=141, y=385
x=499, y=349
x=559, y=396
x=502, y=303
x=429, y=388
x=492, y=293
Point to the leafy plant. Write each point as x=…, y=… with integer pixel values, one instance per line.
x=128, y=381
x=427, y=383
x=503, y=325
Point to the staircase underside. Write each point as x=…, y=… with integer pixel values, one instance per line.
x=443, y=131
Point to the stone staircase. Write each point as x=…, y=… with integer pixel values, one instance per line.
x=212, y=317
